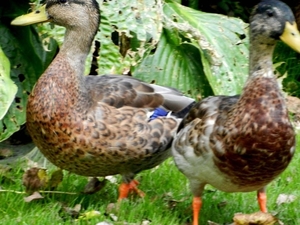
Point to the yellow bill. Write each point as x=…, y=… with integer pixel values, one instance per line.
x=37, y=16
x=291, y=36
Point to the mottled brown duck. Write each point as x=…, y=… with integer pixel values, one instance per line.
x=242, y=143
x=97, y=125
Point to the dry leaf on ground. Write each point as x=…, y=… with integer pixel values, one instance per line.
x=55, y=179
x=258, y=218
x=35, y=196
x=34, y=179
x=66, y=211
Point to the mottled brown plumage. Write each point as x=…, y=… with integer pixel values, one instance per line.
x=96, y=125
x=241, y=143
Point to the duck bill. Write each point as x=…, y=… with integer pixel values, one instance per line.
x=37, y=16
x=291, y=36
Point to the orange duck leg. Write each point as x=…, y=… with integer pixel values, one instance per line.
x=262, y=200
x=126, y=188
x=197, y=203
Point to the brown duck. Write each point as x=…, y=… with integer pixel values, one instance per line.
x=242, y=143
x=97, y=125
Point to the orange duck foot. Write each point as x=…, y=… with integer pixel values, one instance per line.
x=126, y=188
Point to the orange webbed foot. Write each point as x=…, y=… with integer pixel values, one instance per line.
x=126, y=188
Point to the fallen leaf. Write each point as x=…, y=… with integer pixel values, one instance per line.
x=55, y=179
x=42, y=175
x=66, y=211
x=88, y=215
x=283, y=198
x=93, y=186
x=77, y=207
x=258, y=218
x=34, y=179
x=35, y=196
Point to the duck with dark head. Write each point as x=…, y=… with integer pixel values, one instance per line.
x=242, y=143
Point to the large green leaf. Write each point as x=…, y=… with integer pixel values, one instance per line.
x=221, y=40
x=174, y=63
x=137, y=20
x=28, y=59
x=7, y=87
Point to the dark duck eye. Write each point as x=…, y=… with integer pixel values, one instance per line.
x=63, y=1
x=270, y=13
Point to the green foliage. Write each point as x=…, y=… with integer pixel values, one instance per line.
x=168, y=200
x=289, y=68
x=7, y=93
x=28, y=59
x=174, y=64
x=219, y=39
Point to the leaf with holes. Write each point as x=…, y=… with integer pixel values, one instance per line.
x=198, y=53
x=222, y=42
x=28, y=58
x=174, y=63
x=135, y=21
x=8, y=89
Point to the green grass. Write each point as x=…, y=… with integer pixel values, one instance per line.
x=167, y=201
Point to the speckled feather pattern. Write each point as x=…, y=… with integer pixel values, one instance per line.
x=241, y=143
x=97, y=125
x=247, y=152
x=104, y=135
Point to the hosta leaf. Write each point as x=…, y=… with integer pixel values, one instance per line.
x=7, y=87
x=174, y=63
x=221, y=41
x=140, y=20
x=28, y=59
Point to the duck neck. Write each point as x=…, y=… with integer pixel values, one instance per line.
x=75, y=49
x=260, y=59
x=261, y=96
x=64, y=81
